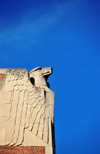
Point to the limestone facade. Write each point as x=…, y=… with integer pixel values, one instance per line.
x=27, y=109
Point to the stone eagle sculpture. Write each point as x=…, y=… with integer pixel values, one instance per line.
x=27, y=103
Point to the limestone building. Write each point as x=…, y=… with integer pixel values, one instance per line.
x=26, y=112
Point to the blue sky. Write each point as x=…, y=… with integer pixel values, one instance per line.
x=65, y=35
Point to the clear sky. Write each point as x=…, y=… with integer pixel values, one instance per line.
x=65, y=35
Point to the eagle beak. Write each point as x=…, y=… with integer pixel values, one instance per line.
x=46, y=71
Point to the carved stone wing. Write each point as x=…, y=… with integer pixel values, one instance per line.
x=26, y=107
x=15, y=89
x=37, y=109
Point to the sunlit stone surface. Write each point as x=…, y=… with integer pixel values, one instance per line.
x=26, y=109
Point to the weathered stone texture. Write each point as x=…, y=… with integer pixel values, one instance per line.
x=2, y=76
x=26, y=109
x=22, y=150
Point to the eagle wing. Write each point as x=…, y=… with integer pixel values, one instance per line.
x=26, y=108
x=37, y=108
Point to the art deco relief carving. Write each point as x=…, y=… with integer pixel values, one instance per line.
x=26, y=103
